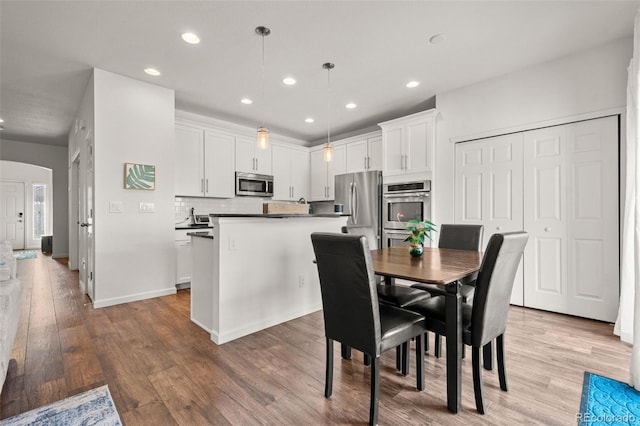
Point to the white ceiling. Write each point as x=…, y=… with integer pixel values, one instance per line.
x=49, y=47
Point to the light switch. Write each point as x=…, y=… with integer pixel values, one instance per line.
x=115, y=206
x=146, y=207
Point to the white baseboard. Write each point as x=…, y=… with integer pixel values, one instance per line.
x=134, y=297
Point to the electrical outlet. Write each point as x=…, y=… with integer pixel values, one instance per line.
x=115, y=207
x=233, y=245
x=300, y=281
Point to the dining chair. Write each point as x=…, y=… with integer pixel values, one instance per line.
x=459, y=237
x=394, y=295
x=486, y=319
x=352, y=314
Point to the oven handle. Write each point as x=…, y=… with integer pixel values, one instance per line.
x=396, y=232
x=417, y=195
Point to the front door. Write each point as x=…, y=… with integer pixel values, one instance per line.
x=12, y=213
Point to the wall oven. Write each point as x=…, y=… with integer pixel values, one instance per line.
x=254, y=185
x=402, y=202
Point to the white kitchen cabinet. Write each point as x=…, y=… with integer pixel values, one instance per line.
x=559, y=184
x=364, y=154
x=183, y=258
x=291, y=173
x=252, y=159
x=407, y=145
x=323, y=172
x=204, y=163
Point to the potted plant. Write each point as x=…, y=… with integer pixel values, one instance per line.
x=420, y=231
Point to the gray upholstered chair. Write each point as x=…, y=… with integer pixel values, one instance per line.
x=352, y=314
x=459, y=237
x=486, y=319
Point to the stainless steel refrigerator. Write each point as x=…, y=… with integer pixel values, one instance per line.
x=361, y=195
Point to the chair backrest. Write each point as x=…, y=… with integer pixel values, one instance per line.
x=349, y=294
x=461, y=237
x=494, y=286
x=366, y=230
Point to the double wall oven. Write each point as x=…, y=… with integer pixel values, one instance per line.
x=402, y=202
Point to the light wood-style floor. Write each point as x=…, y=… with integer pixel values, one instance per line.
x=163, y=369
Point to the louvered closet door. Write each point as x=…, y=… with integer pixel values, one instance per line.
x=488, y=190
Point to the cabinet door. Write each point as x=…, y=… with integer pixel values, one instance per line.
x=183, y=261
x=300, y=174
x=281, y=173
x=392, y=151
x=357, y=156
x=319, y=188
x=545, y=218
x=592, y=231
x=263, y=159
x=189, y=162
x=245, y=161
x=417, y=149
x=219, y=165
x=374, y=158
x=335, y=167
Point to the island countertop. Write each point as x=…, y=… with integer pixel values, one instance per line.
x=279, y=215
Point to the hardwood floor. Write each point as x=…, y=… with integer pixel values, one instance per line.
x=163, y=369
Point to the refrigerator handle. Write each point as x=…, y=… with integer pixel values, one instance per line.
x=352, y=219
x=355, y=202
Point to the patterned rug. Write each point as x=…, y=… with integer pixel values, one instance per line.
x=25, y=254
x=94, y=407
x=608, y=402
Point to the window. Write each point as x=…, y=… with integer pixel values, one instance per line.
x=39, y=210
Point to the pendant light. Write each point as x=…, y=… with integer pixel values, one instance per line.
x=263, y=132
x=328, y=148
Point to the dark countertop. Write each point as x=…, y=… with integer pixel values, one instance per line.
x=198, y=226
x=280, y=216
x=201, y=234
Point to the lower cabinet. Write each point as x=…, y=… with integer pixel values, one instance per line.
x=183, y=259
x=559, y=184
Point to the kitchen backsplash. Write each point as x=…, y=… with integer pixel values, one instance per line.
x=241, y=205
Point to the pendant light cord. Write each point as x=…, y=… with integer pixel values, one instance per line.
x=328, y=105
x=263, y=112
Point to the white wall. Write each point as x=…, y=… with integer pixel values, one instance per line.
x=134, y=252
x=54, y=158
x=30, y=175
x=582, y=84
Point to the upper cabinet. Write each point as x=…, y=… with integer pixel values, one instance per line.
x=323, y=173
x=407, y=144
x=204, y=163
x=364, y=154
x=291, y=172
x=252, y=159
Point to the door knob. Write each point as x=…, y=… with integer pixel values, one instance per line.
x=84, y=225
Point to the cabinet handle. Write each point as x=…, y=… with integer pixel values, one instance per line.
x=547, y=229
x=201, y=185
x=368, y=163
x=498, y=228
x=207, y=185
x=256, y=164
x=365, y=162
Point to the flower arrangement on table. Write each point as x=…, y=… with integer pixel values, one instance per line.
x=420, y=231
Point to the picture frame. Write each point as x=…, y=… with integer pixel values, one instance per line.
x=139, y=176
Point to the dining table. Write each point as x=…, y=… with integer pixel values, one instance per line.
x=443, y=267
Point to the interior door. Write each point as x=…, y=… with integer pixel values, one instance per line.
x=12, y=213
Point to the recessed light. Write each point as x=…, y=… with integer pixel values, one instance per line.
x=191, y=38
x=152, y=71
x=351, y=105
x=437, y=38
x=413, y=84
x=246, y=101
x=1, y=120
x=289, y=81
x=309, y=120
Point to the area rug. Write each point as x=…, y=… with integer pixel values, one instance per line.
x=608, y=402
x=94, y=407
x=25, y=254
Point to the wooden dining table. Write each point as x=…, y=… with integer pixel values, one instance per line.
x=443, y=267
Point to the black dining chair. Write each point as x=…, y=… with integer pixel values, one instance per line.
x=459, y=237
x=352, y=314
x=486, y=319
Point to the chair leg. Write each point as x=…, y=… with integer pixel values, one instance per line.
x=375, y=390
x=367, y=359
x=405, y=358
x=477, y=378
x=345, y=350
x=420, y=363
x=426, y=341
x=328, y=378
x=463, y=351
x=502, y=374
x=399, y=357
x=487, y=356
x=437, y=345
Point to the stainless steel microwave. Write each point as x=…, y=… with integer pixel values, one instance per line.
x=254, y=185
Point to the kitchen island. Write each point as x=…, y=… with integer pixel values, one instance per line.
x=254, y=271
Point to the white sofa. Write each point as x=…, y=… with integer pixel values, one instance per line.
x=10, y=301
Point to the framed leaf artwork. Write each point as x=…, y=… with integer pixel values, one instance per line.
x=139, y=176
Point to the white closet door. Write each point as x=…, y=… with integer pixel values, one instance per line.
x=488, y=190
x=592, y=212
x=545, y=207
